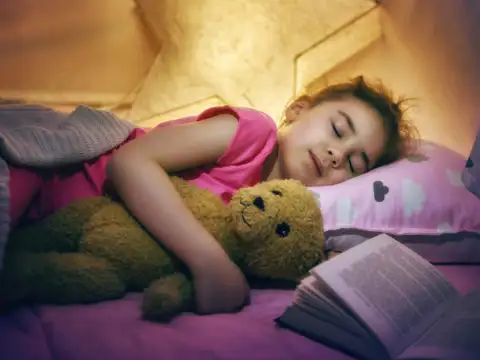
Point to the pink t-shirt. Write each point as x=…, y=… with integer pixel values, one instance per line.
x=240, y=165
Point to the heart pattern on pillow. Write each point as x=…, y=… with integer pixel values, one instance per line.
x=471, y=171
x=380, y=191
x=469, y=163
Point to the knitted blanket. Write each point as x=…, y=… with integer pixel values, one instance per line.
x=40, y=137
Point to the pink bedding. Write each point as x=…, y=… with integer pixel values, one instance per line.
x=113, y=330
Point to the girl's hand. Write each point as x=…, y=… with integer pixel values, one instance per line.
x=220, y=287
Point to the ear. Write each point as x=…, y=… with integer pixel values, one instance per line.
x=295, y=109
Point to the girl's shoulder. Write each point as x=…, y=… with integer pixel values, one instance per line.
x=257, y=120
x=250, y=120
x=255, y=136
x=254, y=139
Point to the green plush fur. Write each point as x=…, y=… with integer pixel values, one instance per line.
x=94, y=250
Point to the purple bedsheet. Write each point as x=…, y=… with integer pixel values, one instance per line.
x=113, y=330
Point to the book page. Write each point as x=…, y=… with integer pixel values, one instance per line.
x=392, y=289
x=311, y=290
x=316, y=298
x=330, y=334
x=329, y=318
x=456, y=335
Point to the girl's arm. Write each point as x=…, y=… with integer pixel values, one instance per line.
x=139, y=170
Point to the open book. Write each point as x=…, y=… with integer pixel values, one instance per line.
x=380, y=300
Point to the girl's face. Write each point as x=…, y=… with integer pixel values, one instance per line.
x=331, y=142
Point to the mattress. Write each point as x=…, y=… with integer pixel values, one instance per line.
x=113, y=330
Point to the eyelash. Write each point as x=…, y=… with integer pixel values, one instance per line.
x=339, y=135
x=335, y=130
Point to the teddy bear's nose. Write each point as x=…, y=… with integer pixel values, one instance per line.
x=258, y=202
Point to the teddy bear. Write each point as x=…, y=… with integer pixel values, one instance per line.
x=94, y=249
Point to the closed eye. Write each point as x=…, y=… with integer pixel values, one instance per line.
x=352, y=169
x=340, y=135
x=351, y=126
x=355, y=165
x=336, y=132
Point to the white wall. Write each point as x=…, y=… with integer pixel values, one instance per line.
x=99, y=49
x=437, y=40
x=72, y=50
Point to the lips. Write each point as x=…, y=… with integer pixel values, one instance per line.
x=316, y=162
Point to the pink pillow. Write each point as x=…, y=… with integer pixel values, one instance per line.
x=420, y=200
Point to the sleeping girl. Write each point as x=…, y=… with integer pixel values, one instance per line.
x=324, y=138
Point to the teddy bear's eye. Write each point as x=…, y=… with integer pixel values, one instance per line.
x=282, y=229
x=276, y=192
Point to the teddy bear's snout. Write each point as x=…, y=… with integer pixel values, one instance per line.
x=258, y=202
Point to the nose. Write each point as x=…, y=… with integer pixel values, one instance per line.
x=336, y=157
x=258, y=202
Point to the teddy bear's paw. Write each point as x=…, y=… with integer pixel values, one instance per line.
x=167, y=297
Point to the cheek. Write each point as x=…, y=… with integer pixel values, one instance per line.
x=375, y=149
x=375, y=142
x=293, y=138
x=312, y=132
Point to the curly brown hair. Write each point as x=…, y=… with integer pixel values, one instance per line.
x=401, y=134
